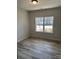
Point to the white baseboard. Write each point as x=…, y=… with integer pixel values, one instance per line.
x=19, y=40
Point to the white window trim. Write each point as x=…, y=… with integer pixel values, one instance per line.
x=43, y=26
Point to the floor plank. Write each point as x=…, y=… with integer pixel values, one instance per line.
x=38, y=49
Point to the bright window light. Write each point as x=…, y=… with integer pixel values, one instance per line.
x=44, y=24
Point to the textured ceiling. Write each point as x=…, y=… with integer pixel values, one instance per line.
x=43, y=4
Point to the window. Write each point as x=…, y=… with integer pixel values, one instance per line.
x=44, y=24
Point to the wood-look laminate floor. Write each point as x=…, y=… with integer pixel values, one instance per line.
x=38, y=49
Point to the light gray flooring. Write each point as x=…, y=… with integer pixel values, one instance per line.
x=38, y=49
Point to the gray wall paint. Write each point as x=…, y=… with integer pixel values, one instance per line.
x=56, y=12
x=22, y=24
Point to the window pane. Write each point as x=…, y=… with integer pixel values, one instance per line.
x=48, y=24
x=39, y=21
x=48, y=20
x=39, y=28
x=39, y=24
x=48, y=28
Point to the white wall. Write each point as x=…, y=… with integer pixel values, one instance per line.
x=22, y=24
x=56, y=12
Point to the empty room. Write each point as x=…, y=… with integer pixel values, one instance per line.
x=38, y=29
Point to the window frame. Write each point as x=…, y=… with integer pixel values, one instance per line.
x=44, y=25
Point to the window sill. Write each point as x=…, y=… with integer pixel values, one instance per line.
x=45, y=32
